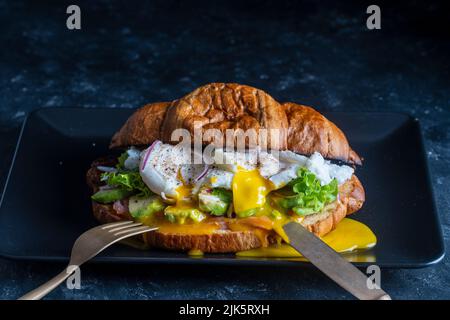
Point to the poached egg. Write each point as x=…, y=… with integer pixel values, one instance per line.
x=168, y=171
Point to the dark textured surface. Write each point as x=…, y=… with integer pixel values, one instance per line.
x=319, y=54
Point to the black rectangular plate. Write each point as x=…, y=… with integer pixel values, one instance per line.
x=45, y=205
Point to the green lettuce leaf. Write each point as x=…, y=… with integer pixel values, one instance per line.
x=308, y=195
x=128, y=180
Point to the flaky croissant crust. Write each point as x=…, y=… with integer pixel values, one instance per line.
x=234, y=106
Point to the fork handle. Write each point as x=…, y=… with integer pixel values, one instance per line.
x=44, y=289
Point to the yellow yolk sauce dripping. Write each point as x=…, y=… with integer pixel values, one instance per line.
x=251, y=192
x=349, y=235
x=183, y=201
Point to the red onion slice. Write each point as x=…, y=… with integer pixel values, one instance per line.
x=203, y=173
x=147, y=154
x=120, y=207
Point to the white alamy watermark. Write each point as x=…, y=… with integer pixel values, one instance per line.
x=374, y=277
x=374, y=20
x=74, y=280
x=73, y=21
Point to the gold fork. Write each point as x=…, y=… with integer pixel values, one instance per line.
x=87, y=246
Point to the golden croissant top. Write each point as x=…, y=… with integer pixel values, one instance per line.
x=224, y=106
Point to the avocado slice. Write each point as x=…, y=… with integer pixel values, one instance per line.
x=144, y=207
x=180, y=215
x=215, y=201
x=111, y=195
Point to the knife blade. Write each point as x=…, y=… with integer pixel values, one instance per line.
x=331, y=263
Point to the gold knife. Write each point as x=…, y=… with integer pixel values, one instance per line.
x=331, y=263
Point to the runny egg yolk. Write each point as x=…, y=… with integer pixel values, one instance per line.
x=249, y=190
x=184, y=193
x=214, y=179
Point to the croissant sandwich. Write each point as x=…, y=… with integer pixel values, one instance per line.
x=232, y=199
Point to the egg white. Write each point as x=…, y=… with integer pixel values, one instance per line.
x=165, y=168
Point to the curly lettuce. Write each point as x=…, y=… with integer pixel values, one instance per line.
x=126, y=180
x=308, y=195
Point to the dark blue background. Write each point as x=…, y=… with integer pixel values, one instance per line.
x=317, y=53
